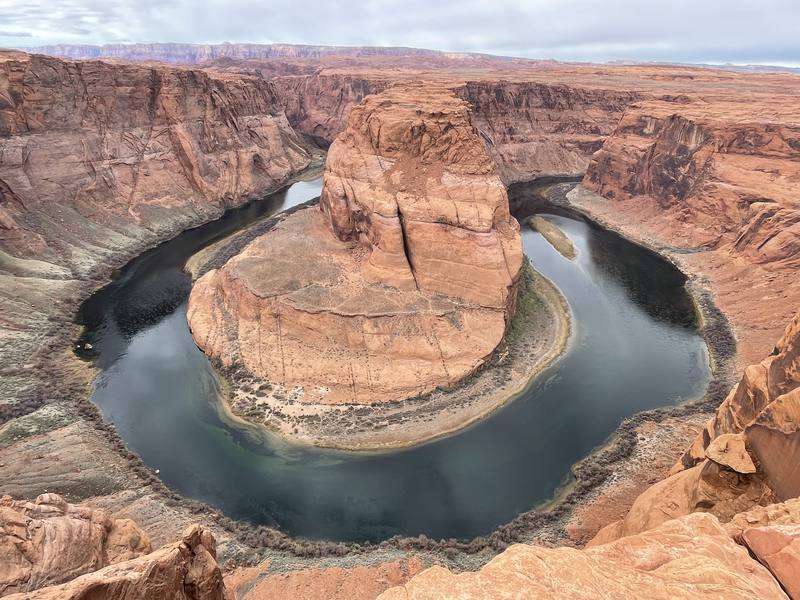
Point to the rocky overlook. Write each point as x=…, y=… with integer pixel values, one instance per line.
x=403, y=281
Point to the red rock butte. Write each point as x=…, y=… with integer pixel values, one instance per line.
x=405, y=279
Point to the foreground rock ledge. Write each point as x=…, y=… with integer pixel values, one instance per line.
x=403, y=282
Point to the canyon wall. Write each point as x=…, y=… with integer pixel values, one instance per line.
x=318, y=105
x=200, y=53
x=94, y=153
x=724, y=169
x=531, y=129
x=538, y=129
x=715, y=184
x=404, y=281
x=98, y=162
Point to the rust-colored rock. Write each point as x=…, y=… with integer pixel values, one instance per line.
x=715, y=179
x=777, y=376
x=184, y=570
x=97, y=156
x=687, y=558
x=775, y=439
x=50, y=541
x=730, y=450
x=778, y=549
x=411, y=179
x=542, y=128
x=749, y=450
x=360, y=582
x=706, y=487
x=406, y=279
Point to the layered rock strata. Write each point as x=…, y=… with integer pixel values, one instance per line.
x=95, y=155
x=97, y=162
x=714, y=183
x=536, y=129
x=404, y=281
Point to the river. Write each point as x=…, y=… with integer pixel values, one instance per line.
x=635, y=347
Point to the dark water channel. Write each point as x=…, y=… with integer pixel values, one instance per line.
x=635, y=347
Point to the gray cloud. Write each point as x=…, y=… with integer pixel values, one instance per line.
x=677, y=30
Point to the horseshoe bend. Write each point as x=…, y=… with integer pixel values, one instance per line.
x=305, y=321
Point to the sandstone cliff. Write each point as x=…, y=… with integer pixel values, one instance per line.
x=763, y=404
x=96, y=156
x=531, y=129
x=184, y=570
x=200, y=53
x=411, y=180
x=318, y=105
x=406, y=279
x=714, y=181
x=538, y=129
x=99, y=161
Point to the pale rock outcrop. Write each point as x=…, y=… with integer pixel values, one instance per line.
x=404, y=281
x=50, y=541
x=729, y=450
x=775, y=439
x=687, y=558
x=184, y=570
x=778, y=549
x=782, y=513
x=707, y=487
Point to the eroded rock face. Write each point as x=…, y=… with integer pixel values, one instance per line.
x=99, y=161
x=405, y=279
x=774, y=381
x=778, y=549
x=49, y=541
x=715, y=180
x=411, y=180
x=538, y=129
x=686, y=558
x=706, y=487
x=728, y=172
x=184, y=570
x=96, y=156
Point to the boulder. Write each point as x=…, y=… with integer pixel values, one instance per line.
x=50, y=541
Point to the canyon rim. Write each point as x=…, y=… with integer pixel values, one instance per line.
x=400, y=304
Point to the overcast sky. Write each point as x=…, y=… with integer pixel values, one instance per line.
x=759, y=31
